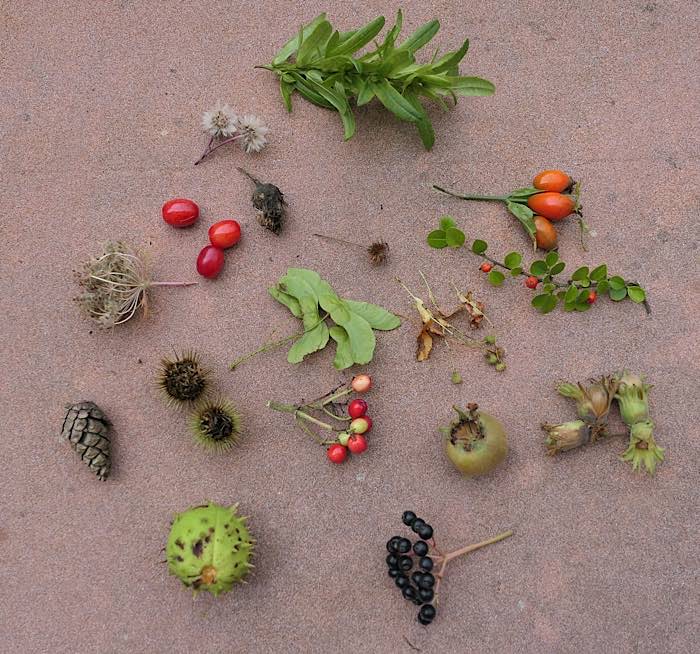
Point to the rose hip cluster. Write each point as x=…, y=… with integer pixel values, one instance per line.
x=354, y=439
x=224, y=234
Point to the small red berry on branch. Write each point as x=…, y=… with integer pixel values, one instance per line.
x=532, y=282
x=485, y=267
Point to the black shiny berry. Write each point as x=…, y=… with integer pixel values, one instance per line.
x=426, y=532
x=392, y=560
x=392, y=544
x=417, y=525
x=427, y=581
x=410, y=593
x=416, y=577
x=427, y=612
x=423, y=620
x=393, y=573
x=420, y=547
x=402, y=581
x=426, y=563
x=405, y=563
x=403, y=546
x=426, y=594
x=408, y=518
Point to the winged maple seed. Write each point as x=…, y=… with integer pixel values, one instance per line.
x=435, y=322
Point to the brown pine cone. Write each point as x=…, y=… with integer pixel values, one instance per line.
x=87, y=430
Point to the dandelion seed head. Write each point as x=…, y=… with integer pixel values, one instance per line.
x=220, y=122
x=252, y=131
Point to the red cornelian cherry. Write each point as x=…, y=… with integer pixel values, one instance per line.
x=210, y=261
x=357, y=408
x=485, y=267
x=225, y=234
x=337, y=453
x=357, y=444
x=180, y=212
x=592, y=297
x=532, y=281
x=361, y=383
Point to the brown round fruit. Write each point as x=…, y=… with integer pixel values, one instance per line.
x=546, y=234
x=476, y=442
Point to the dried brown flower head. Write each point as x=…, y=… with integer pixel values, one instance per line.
x=378, y=253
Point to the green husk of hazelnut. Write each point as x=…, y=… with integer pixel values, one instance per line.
x=566, y=436
x=593, y=401
x=633, y=398
x=642, y=449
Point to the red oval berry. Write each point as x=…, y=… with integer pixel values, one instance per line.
x=180, y=212
x=337, y=453
x=357, y=408
x=532, y=281
x=361, y=383
x=210, y=261
x=485, y=267
x=357, y=444
x=225, y=234
x=592, y=297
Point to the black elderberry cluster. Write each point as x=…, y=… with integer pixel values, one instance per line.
x=404, y=556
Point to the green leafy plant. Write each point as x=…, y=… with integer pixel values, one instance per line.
x=577, y=293
x=312, y=299
x=323, y=65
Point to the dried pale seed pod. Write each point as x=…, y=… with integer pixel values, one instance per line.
x=86, y=428
x=183, y=379
x=269, y=202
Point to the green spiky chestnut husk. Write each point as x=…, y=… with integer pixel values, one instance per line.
x=642, y=449
x=475, y=442
x=633, y=398
x=209, y=548
x=216, y=425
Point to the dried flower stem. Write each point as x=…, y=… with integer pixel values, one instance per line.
x=209, y=149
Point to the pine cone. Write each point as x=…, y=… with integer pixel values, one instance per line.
x=87, y=430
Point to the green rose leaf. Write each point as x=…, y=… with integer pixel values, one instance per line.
x=582, y=306
x=525, y=215
x=479, y=247
x=548, y=288
x=516, y=271
x=617, y=294
x=599, y=273
x=603, y=286
x=496, y=277
x=571, y=294
x=636, y=294
x=512, y=260
x=538, y=268
x=617, y=282
x=557, y=268
x=437, y=239
x=454, y=237
x=551, y=259
x=545, y=302
x=580, y=274
x=446, y=222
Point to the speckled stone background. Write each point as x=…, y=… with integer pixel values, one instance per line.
x=100, y=116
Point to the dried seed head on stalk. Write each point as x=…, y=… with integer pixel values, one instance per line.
x=115, y=285
x=269, y=202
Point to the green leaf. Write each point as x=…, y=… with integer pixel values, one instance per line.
x=471, y=86
x=525, y=215
x=544, y=303
x=569, y=306
x=538, y=268
x=361, y=37
x=315, y=336
x=451, y=59
x=437, y=239
x=617, y=282
x=377, y=317
x=496, y=277
x=362, y=339
x=548, y=288
x=585, y=283
x=395, y=102
x=424, y=126
x=580, y=274
x=446, y=222
x=303, y=86
x=522, y=194
x=571, y=294
x=617, y=294
x=516, y=271
x=599, y=273
x=286, y=89
x=455, y=237
x=557, y=268
x=338, y=100
x=366, y=93
x=343, y=356
x=603, y=286
x=313, y=42
x=284, y=298
x=421, y=36
x=636, y=293
x=290, y=46
x=479, y=247
x=551, y=259
x=582, y=306
x=513, y=259
x=582, y=297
